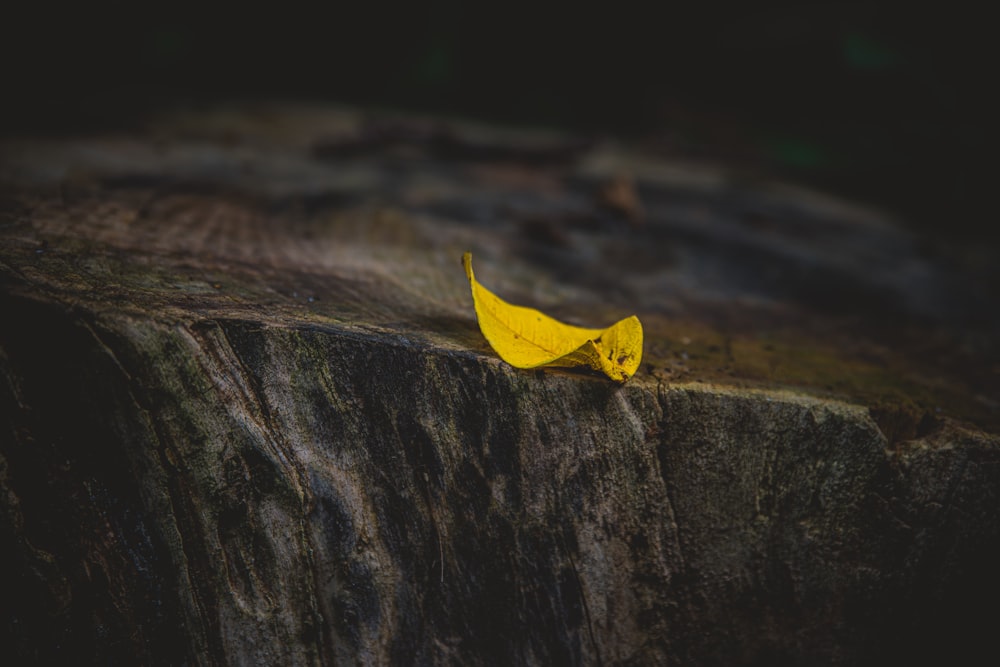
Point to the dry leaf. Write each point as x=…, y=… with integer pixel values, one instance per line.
x=527, y=338
x=620, y=195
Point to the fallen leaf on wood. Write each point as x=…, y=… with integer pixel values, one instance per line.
x=527, y=338
x=620, y=195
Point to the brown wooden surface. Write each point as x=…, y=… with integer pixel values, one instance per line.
x=248, y=416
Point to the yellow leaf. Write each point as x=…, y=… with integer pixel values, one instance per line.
x=527, y=338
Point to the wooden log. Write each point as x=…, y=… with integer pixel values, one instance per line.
x=248, y=417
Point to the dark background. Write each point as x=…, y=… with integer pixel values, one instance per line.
x=883, y=104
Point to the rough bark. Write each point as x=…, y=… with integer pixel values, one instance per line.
x=248, y=417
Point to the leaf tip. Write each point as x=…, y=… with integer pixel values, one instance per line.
x=467, y=264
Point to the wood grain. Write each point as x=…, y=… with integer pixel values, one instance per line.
x=248, y=417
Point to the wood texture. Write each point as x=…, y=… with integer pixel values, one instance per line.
x=248, y=417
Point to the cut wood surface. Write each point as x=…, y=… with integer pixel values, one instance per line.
x=248, y=416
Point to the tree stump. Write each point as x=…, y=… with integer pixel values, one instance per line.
x=248, y=416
